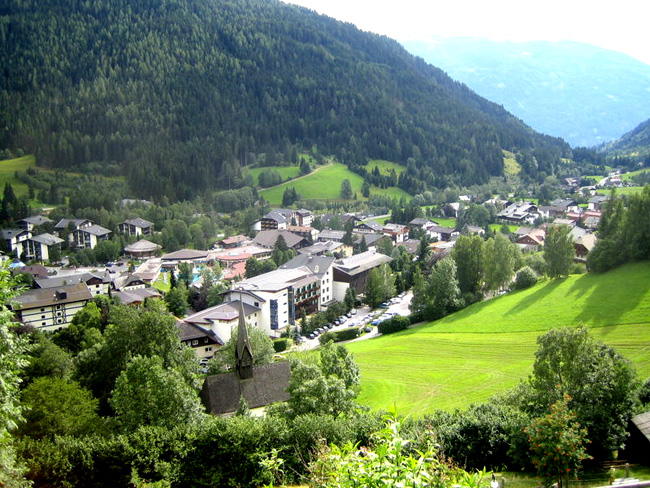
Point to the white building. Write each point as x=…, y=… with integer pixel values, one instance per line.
x=51, y=308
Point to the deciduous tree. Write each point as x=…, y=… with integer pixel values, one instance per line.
x=558, y=251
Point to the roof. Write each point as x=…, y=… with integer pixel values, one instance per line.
x=47, y=239
x=142, y=245
x=233, y=240
x=188, y=332
x=127, y=279
x=372, y=224
x=221, y=392
x=74, y=278
x=268, y=238
x=359, y=263
x=11, y=233
x=329, y=234
x=43, y=297
x=96, y=230
x=279, y=279
x=321, y=248
x=63, y=223
x=395, y=228
x=37, y=270
x=36, y=220
x=642, y=422
x=139, y=295
x=234, y=271
x=138, y=222
x=221, y=313
x=184, y=254
x=588, y=241
x=281, y=216
x=419, y=221
x=316, y=264
x=598, y=199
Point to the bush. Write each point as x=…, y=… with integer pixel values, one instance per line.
x=339, y=335
x=280, y=344
x=394, y=325
x=526, y=277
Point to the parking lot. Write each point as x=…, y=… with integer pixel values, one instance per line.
x=367, y=317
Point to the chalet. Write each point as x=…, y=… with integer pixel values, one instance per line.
x=475, y=230
x=88, y=237
x=322, y=248
x=369, y=226
x=203, y=342
x=233, y=241
x=597, y=202
x=222, y=319
x=439, y=233
x=38, y=271
x=51, y=308
x=519, y=213
x=371, y=240
x=136, y=227
x=38, y=248
x=96, y=283
x=30, y=223
x=422, y=223
x=308, y=233
x=142, y=249
x=135, y=296
x=637, y=445
x=281, y=218
x=259, y=386
x=583, y=246
x=397, y=232
x=331, y=235
x=353, y=272
x=127, y=282
x=411, y=245
x=560, y=207
x=15, y=238
x=70, y=225
x=268, y=238
x=533, y=240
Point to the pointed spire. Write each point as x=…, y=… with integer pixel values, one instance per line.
x=243, y=350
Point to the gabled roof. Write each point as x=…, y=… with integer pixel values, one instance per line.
x=267, y=238
x=221, y=392
x=96, y=230
x=359, y=263
x=47, y=239
x=316, y=264
x=370, y=224
x=420, y=221
x=43, y=297
x=138, y=222
x=188, y=332
x=128, y=297
x=11, y=233
x=63, y=223
x=329, y=234
x=35, y=220
x=642, y=422
x=221, y=313
x=85, y=278
x=588, y=241
x=233, y=240
x=184, y=254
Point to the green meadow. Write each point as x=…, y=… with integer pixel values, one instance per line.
x=325, y=184
x=489, y=347
x=384, y=166
x=286, y=172
x=8, y=168
x=627, y=190
x=629, y=176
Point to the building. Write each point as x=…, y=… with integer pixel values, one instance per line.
x=14, y=239
x=353, y=272
x=96, y=283
x=268, y=238
x=519, y=213
x=322, y=268
x=141, y=249
x=30, y=223
x=135, y=227
x=583, y=246
x=135, y=296
x=397, y=232
x=533, y=240
x=369, y=226
x=445, y=234
x=281, y=218
x=88, y=237
x=38, y=248
x=222, y=319
x=203, y=342
x=51, y=308
x=233, y=241
x=597, y=202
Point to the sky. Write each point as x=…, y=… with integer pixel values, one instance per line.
x=620, y=25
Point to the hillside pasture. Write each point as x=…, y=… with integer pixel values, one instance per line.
x=286, y=172
x=626, y=190
x=489, y=347
x=384, y=166
x=325, y=184
x=8, y=168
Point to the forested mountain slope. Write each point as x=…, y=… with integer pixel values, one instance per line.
x=582, y=93
x=637, y=141
x=178, y=94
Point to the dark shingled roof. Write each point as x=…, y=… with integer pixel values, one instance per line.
x=221, y=392
x=642, y=422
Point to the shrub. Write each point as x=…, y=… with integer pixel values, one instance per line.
x=339, y=335
x=526, y=277
x=394, y=325
x=280, y=344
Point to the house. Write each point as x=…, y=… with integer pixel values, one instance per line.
x=519, y=213
x=331, y=235
x=411, y=245
x=281, y=218
x=475, y=230
x=597, y=202
x=439, y=233
x=128, y=282
x=322, y=268
x=397, y=232
x=142, y=249
x=135, y=296
x=560, y=206
x=38, y=248
x=51, y=308
x=203, y=342
x=38, y=271
x=371, y=240
x=637, y=445
x=583, y=246
x=233, y=241
x=268, y=238
x=352, y=272
x=14, y=239
x=97, y=283
x=422, y=222
x=135, y=227
x=310, y=234
x=222, y=319
x=259, y=386
x=370, y=226
x=88, y=237
x=30, y=223
x=64, y=225
x=452, y=209
x=322, y=248
x=533, y=240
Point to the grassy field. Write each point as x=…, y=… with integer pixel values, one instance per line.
x=497, y=227
x=627, y=190
x=510, y=165
x=384, y=166
x=8, y=167
x=629, y=176
x=325, y=184
x=445, y=222
x=286, y=172
x=489, y=347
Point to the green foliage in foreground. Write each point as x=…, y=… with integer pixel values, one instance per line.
x=489, y=347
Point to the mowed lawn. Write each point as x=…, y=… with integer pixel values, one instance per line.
x=325, y=184
x=489, y=347
x=8, y=168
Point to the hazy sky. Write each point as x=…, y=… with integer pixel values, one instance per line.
x=620, y=25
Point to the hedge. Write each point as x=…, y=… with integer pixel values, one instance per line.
x=395, y=324
x=339, y=335
x=280, y=344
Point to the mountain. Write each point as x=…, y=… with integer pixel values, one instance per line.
x=637, y=141
x=178, y=95
x=581, y=93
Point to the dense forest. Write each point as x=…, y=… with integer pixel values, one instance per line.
x=178, y=95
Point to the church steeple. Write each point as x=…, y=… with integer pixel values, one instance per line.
x=243, y=350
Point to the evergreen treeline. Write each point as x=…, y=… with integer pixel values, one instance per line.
x=177, y=95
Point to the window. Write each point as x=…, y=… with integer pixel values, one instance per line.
x=208, y=349
x=195, y=342
x=42, y=316
x=257, y=304
x=42, y=310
